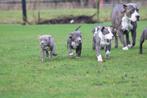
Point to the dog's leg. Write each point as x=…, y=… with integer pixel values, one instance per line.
x=127, y=39
x=46, y=53
x=70, y=52
x=42, y=52
x=51, y=54
x=122, y=40
x=78, y=50
x=93, y=43
x=53, y=51
x=52, y=48
x=107, y=50
x=116, y=39
x=141, y=43
x=99, y=56
x=133, y=34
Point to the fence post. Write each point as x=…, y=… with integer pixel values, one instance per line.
x=97, y=7
x=24, y=12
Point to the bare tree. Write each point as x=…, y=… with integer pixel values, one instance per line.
x=24, y=12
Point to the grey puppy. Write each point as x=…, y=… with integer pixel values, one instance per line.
x=74, y=42
x=142, y=39
x=47, y=45
x=102, y=37
x=124, y=19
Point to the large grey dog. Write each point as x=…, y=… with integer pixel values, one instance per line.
x=74, y=42
x=47, y=45
x=124, y=19
x=102, y=37
x=142, y=39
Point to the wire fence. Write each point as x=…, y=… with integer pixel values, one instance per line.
x=11, y=11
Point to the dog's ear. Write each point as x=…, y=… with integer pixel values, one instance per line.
x=124, y=8
x=70, y=35
x=124, y=5
x=103, y=28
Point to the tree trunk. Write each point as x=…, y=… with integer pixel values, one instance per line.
x=82, y=3
x=24, y=12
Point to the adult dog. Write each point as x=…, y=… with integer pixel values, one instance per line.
x=74, y=42
x=47, y=45
x=124, y=19
x=102, y=37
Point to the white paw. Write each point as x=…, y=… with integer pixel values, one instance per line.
x=71, y=54
x=99, y=58
x=107, y=54
x=125, y=48
x=129, y=45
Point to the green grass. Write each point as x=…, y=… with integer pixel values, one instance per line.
x=23, y=75
x=15, y=16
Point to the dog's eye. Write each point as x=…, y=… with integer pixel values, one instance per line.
x=133, y=11
x=137, y=10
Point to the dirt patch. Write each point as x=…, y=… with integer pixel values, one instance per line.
x=69, y=19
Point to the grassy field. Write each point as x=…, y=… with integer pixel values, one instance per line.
x=15, y=16
x=23, y=75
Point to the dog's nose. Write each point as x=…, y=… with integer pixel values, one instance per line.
x=80, y=40
x=138, y=17
x=108, y=40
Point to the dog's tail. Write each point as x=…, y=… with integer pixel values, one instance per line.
x=78, y=28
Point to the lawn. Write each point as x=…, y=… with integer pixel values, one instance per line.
x=23, y=75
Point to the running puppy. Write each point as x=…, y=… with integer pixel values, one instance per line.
x=74, y=42
x=102, y=37
x=47, y=45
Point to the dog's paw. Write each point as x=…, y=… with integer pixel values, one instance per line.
x=71, y=54
x=125, y=48
x=99, y=58
x=129, y=45
x=108, y=55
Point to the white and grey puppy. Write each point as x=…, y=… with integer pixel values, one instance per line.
x=47, y=45
x=74, y=42
x=142, y=39
x=102, y=37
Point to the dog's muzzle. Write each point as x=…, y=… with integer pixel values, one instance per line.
x=108, y=41
x=138, y=18
x=44, y=46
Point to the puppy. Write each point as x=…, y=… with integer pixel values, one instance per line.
x=47, y=45
x=142, y=39
x=102, y=37
x=74, y=42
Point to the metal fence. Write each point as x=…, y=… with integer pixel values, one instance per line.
x=45, y=4
x=11, y=11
